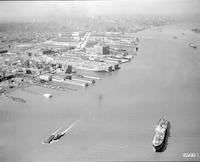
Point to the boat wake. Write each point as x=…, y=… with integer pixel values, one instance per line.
x=55, y=136
x=71, y=126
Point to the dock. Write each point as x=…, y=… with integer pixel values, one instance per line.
x=49, y=86
x=83, y=80
x=111, y=61
x=72, y=82
x=17, y=99
x=91, y=77
x=124, y=61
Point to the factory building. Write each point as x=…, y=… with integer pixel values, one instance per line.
x=45, y=77
x=34, y=51
x=98, y=49
x=76, y=36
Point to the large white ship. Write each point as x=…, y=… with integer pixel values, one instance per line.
x=160, y=134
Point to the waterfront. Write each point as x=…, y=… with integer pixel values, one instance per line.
x=119, y=113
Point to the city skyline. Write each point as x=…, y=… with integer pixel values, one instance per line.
x=38, y=10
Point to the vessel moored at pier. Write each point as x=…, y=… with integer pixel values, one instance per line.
x=82, y=80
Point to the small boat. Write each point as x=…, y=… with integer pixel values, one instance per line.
x=55, y=136
x=192, y=45
x=47, y=95
x=160, y=134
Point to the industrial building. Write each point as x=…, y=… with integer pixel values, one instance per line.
x=98, y=49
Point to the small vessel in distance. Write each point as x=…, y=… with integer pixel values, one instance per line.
x=47, y=95
x=54, y=137
x=192, y=45
x=160, y=134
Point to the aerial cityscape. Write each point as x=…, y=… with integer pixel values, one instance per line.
x=97, y=81
x=37, y=58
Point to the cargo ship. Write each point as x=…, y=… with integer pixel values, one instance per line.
x=160, y=134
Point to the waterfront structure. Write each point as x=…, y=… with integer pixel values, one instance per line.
x=76, y=36
x=98, y=49
x=34, y=51
x=45, y=77
x=50, y=57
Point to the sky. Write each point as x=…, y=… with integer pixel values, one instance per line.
x=24, y=10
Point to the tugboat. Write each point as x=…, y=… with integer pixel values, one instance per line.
x=55, y=136
x=160, y=134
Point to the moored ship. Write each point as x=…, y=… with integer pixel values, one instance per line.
x=160, y=134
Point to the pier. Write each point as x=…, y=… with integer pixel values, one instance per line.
x=17, y=99
x=83, y=80
x=91, y=77
x=72, y=82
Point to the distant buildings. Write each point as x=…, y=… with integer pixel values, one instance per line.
x=196, y=30
x=34, y=51
x=76, y=36
x=102, y=49
x=45, y=77
x=6, y=75
x=64, y=51
x=48, y=51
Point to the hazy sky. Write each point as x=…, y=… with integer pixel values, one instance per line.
x=23, y=10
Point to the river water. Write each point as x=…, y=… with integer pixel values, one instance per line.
x=118, y=113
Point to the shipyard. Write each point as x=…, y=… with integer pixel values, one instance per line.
x=61, y=58
x=99, y=81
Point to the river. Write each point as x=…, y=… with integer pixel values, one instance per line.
x=118, y=113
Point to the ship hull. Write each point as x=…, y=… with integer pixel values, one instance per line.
x=159, y=147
